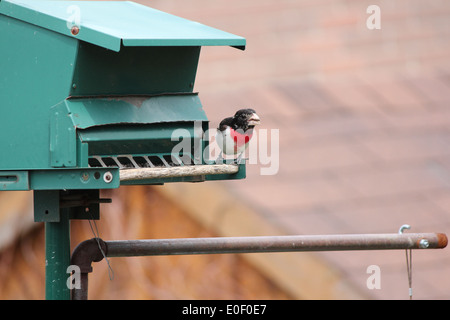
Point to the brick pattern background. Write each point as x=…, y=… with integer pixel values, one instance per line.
x=364, y=121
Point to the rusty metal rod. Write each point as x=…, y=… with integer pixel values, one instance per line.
x=220, y=245
x=89, y=251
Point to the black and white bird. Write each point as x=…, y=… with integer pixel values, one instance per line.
x=234, y=133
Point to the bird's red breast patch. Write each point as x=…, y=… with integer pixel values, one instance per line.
x=240, y=138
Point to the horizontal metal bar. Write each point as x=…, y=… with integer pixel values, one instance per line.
x=183, y=246
x=74, y=178
x=14, y=180
x=180, y=171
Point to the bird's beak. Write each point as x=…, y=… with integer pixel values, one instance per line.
x=254, y=120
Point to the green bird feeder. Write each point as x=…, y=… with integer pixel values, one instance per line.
x=95, y=95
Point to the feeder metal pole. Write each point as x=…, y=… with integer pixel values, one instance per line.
x=129, y=248
x=57, y=257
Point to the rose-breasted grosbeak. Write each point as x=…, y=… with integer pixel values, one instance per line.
x=234, y=133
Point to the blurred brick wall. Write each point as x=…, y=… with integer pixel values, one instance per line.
x=363, y=117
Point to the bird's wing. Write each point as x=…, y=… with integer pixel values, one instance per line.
x=227, y=122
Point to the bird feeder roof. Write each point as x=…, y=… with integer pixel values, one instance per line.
x=111, y=24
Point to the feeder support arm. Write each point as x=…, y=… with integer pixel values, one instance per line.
x=89, y=251
x=83, y=255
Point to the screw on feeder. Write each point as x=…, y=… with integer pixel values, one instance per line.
x=424, y=243
x=85, y=176
x=107, y=177
x=75, y=30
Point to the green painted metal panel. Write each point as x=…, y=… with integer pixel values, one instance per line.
x=85, y=113
x=36, y=70
x=110, y=24
x=14, y=180
x=82, y=154
x=73, y=179
x=57, y=258
x=134, y=140
x=122, y=125
x=46, y=205
x=63, y=143
x=134, y=70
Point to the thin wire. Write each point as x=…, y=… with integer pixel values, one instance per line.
x=97, y=237
x=409, y=270
x=408, y=261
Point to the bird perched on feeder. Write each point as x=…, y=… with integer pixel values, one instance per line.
x=234, y=133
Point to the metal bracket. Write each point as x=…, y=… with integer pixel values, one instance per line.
x=14, y=180
x=63, y=147
x=75, y=179
x=82, y=204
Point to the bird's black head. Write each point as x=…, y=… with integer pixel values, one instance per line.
x=245, y=119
